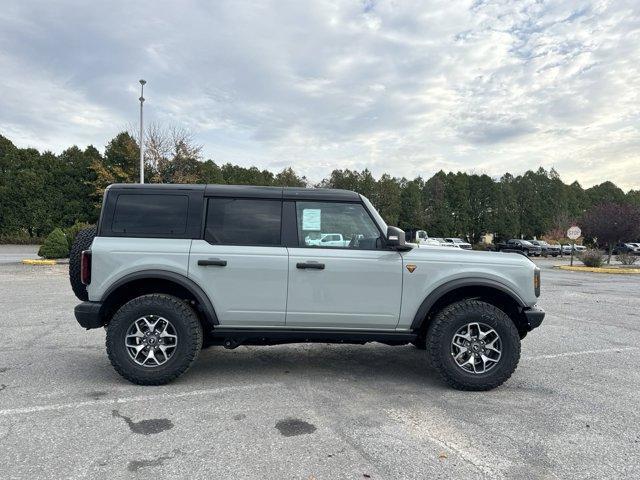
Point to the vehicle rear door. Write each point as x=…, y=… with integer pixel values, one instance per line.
x=240, y=261
x=351, y=284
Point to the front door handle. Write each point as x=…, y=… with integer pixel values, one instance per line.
x=312, y=265
x=212, y=262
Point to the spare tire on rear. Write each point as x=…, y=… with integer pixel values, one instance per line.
x=83, y=241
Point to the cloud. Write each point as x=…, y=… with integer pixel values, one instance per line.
x=400, y=87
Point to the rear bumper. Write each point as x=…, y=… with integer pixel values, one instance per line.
x=534, y=316
x=88, y=314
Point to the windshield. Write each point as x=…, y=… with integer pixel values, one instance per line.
x=528, y=244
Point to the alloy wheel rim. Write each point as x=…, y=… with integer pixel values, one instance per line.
x=151, y=341
x=476, y=348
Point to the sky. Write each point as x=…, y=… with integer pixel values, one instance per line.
x=402, y=87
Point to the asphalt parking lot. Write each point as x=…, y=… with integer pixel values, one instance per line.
x=322, y=411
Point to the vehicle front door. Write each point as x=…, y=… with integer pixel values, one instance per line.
x=352, y=283
x=240, y=263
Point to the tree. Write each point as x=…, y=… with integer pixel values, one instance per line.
x=119, y=165
x=506, y=217
x=74, y=178
x=610, y=223
x=289, y=178
x=633, y=197
x=483, y=199
x=411, y=211
x=40, y=191
x=530, y=189
x=457, y=193
x=606, y=192
x=438, y=218
x=386, y=198
x=344, y=179
x=123, y=152
x=210, y=172
x=171, y=155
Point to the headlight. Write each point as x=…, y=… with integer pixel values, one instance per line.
x=536, y=282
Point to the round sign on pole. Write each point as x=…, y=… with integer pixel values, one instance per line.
x=574, y=232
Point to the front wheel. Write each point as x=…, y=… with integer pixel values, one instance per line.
x=473, y=345
x=153, y=339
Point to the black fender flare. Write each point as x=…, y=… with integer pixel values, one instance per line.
x=451, y=285
x=201, y=297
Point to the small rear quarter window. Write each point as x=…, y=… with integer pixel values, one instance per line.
x=151, y=214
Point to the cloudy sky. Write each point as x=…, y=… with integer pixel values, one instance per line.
x=402, y=87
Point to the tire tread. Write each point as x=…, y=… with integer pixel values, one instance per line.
x=84, y=239
x=183, y=310
x=435, y=337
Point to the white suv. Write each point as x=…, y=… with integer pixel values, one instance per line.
x=173, y=268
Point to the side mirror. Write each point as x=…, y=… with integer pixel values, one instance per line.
x=396, y=239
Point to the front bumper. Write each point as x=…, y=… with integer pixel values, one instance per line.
x=88, y=314
x=534, y=317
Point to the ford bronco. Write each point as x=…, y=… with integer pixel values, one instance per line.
x=171, y=269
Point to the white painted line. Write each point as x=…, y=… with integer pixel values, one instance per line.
x=581, y=352
x=121, y=400
x=432, y=425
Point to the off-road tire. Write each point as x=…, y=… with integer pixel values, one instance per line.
x=187, y=327
x=420, y=343
x=83, y=241
x=452, y=318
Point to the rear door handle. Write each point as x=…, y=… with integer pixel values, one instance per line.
x=212, y=262
x=312, y=265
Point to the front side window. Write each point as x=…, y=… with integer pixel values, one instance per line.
x=336, y=225
x=239, y=221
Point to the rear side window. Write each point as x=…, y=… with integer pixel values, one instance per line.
x=152, y=215
x=239, y=221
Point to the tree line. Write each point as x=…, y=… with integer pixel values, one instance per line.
x=41, y=191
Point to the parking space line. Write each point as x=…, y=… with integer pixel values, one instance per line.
x=581, y=352
x=121, y=400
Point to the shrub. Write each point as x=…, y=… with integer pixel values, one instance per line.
x=20, y=240
x=591, y=258
x=55, y=245
x=73, y=230
x=627, y=258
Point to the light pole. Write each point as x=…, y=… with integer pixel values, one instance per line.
x=142, y=82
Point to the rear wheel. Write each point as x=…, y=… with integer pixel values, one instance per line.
x=153, y=339
x=473, y=345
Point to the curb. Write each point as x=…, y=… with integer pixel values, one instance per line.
x=617, y=271
x=31, y=261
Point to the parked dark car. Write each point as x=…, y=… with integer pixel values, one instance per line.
x=624, y=248
x=554, y=249
x=544, y=246
x=518, y=245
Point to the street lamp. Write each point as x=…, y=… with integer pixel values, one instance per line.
x=142, y=83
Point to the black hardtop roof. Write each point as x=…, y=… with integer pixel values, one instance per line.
x=244, y=191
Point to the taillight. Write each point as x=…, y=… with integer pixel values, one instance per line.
x=85, y=267
x=536, y=281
